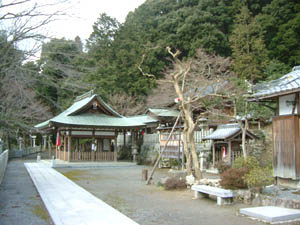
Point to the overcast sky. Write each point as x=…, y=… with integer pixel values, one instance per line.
x=81, y=14
x=88, y=11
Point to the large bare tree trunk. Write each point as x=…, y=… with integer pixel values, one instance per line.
x=198, y=173
x=191, y=130
x=244, y=132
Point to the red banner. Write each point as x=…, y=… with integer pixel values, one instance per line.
x=58, y=142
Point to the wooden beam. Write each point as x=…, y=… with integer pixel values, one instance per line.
x=160, y=154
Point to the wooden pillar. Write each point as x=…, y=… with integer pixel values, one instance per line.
x=69, y=147
x=124, y=141
x=93, y=147
x=65, y=146
x=214, y=153
x=230, y=152
x=116, y=147
x=56, y=149
x=49, y=145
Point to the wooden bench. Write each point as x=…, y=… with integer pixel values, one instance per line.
x=224, y=197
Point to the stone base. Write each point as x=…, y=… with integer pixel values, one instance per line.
x=200, y=195
x=288, y=183
x=224, y=201
x=271, y=214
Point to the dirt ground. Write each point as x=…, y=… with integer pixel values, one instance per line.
x=124, y=189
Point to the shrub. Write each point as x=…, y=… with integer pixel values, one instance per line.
x=222, y=167
x=174, y=183
x=258, y=177
x=233, y=178
x=250, y=163
x=124, y=153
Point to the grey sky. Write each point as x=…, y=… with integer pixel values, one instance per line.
x=88, y=11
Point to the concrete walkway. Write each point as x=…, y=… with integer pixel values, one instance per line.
x=64, y=164
x=68, y=203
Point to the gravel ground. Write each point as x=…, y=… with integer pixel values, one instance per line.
x=123, y=189
x=20, y=203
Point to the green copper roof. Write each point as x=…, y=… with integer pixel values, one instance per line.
x=165, y=112
x=82, y=103
x=143, y=119
x=76, y=115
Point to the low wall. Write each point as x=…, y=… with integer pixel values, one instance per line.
x=15, y=153
x=3, y=164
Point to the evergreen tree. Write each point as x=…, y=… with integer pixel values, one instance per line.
x=249, y=52
x=281, y=23
x=59, y=79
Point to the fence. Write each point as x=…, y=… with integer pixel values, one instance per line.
x=24, y=152
x=3, y=164
x=92, y=156
x=87, y=156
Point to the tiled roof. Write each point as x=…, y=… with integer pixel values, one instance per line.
x=224, y=131
x=143, y=119
x=287, y=83
x=73, y=117
x=165, y=112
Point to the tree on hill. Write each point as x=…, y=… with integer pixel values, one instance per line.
x=281, y=22
x=60, y=81
x=248, y=50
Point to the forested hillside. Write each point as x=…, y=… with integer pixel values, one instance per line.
x=260, y=37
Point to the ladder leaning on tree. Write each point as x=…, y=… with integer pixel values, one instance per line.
x=161, y=153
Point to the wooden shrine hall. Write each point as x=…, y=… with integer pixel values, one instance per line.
x=88, y=130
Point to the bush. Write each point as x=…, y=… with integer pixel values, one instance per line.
x=250, y=163
x=124, y=153
x=259, y=177
x=233, y=178
x=222, y=167
x=174, y=183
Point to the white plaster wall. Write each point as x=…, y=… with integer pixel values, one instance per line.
x=285, y=105
x=3, y=164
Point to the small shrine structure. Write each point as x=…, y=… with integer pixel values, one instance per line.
x=226, y=141
x=88, y=129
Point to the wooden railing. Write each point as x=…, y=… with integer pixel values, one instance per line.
x=92, y=156
x=234, y=155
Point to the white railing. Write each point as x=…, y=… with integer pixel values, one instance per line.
x=3, y=164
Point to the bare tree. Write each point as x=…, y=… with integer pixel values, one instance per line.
x=197, y=82
x=126, y=105
x=22, y=30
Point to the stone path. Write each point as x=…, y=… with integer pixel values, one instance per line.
x=20, y=203
x=67, y=203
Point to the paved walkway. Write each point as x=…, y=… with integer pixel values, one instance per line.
x=65, y=164
x=67, y=203
x=20, y=203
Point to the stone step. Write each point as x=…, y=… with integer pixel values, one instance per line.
x=272, y=214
